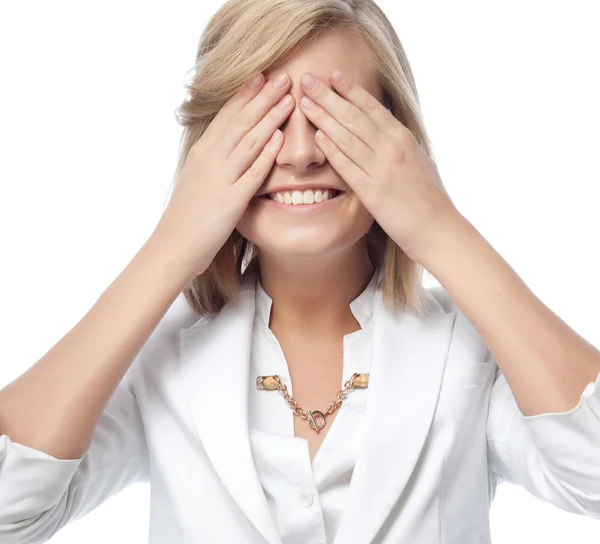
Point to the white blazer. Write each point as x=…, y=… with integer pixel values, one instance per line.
x=442, y=430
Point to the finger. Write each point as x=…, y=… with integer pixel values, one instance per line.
x=352, y=146
x=350, y=172
x=245, y=93
x=250, y=182
x=344, y=112
x=252, y=144
x=252, y=113
x=372, y=109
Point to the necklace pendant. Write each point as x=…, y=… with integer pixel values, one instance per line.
x=316, y=426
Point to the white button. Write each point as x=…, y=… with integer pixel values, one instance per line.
x=306, y=499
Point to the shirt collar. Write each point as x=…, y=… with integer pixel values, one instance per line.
x=361, y=307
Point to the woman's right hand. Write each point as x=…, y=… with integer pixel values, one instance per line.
x=223, y=171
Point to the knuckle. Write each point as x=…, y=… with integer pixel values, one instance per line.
x=397, y=152
x=241, y=120
x=406, y=136
x=255, y=172
x=371, y=105
x=251, y=141
x=347, y=139
x=351, y=113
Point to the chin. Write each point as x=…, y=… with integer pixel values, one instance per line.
x=298, y=244
x=300, y=252
x=308, y=241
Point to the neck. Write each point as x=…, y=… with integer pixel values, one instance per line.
x=312, y=296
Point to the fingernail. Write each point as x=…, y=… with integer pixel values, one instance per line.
x=308, y=103
x=337, y=76
x=308, y=81
x=280, y=80
x=275, y=138
x=256, y=81
x=285, y=101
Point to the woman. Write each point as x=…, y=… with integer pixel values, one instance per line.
x=284, y=269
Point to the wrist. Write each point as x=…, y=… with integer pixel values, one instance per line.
x=176, y=266
x=438, y=237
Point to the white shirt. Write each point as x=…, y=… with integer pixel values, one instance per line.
x=306, y=501
x=426, y=475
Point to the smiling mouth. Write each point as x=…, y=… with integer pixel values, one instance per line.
x=335, y=195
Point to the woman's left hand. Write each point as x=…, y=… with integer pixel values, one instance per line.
x=382, y=162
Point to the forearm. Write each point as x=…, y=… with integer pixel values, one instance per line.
x=546, y=363
x=55, y=405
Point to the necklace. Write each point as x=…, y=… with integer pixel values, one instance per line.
x=272, y=383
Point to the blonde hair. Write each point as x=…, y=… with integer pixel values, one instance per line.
x=249, y=36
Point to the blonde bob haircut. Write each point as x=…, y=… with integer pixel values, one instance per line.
x=249, y=36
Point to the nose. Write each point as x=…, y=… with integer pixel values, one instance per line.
x=299, y=151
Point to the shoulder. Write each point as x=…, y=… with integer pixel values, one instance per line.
x=463, y=329
x=163, y=342
x=439, y=298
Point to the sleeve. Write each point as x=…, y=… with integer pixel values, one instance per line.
x=40, y=494
x=555, y=456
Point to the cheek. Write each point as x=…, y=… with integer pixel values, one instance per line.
x=358, y=211
x=363, y=220
x=247, y=222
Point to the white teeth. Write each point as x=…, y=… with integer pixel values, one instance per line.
x=296, y=198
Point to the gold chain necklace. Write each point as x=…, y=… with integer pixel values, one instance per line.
x=273, y=382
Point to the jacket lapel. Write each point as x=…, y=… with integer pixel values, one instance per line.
x=408, y=360
x=215, y=361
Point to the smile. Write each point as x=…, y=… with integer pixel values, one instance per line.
x=267, y=200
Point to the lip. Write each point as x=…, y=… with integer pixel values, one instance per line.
x=297, y=187
x=302, y=208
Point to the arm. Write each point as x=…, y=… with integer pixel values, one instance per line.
x=543, y=424
x=546, y=363
x=71, y=433
x=55, y=405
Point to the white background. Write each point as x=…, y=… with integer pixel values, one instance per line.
x=88, y=145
